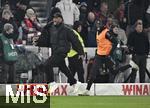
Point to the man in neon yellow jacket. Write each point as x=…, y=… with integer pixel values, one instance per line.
x=75, y=60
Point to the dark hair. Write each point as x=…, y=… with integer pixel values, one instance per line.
x=114, y=24
x=76, y=25
x=138, y=23
x=54, y=10
x=56, y=15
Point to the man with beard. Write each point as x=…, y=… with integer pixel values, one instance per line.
x=60, y=38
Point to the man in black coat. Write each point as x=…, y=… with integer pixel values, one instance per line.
x=60, y=38
x=138, y=44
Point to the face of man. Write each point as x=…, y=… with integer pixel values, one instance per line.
x=104, y=8
x=9, y=33
x=79, y=28
x=6, y=16
x=139, y=26
x=109, y=22
x=122, y=7
x=57, y=20
x=115, y=30
x=91, y=17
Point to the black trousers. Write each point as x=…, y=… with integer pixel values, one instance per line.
x=58, y=61
x=98, y=63
x=7, y=73
x=76, y=65
x=140, y=60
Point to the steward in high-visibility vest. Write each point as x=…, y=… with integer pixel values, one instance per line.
x=72, y=51
x=75, y=60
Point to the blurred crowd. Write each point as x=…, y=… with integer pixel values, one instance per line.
x=93, y=15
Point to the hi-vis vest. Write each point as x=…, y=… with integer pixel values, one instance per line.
x=73, y=52
x=103, y=45
x=9, y=52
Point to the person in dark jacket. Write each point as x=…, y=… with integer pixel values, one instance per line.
x=21, y=8
x=60, y=38
x=75, y=62
x=88, y=32
x=7, y=18
x=138, y=44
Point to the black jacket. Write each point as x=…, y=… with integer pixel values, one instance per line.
x=60, y=39
x=113, y=38
x=138, y=43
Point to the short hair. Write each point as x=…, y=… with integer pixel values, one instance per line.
x=103, y=3
x=7, y=27
x=58, y=15
x=30, y=12
x=138, y=23
x=76, y=25
x=6, y=11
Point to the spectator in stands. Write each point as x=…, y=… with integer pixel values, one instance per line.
x=8, y=18
x=137, y=10
x=31, y=27
x=6, y=7
x=120, y=16
x=75, y=61
x=12, y=3
x=138, y=44
x=69, y=11
x=103, y=13
x=52, y=12
x=93, y=5
x=60, y=38
x=8, y=55
x=89, y=30
x=121, y=34
x=20, y=12
x=83, y=12
x=101, y=26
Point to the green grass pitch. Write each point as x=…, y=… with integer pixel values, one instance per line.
x=100, y=102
